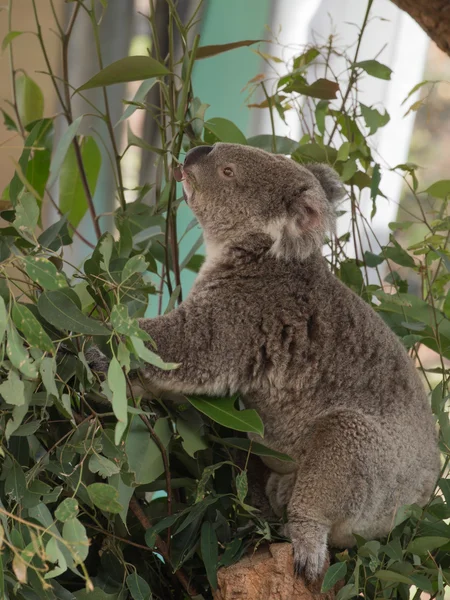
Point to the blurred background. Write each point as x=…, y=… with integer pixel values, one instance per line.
x=420, y=136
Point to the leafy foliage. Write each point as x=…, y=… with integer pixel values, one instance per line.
x=106, y=495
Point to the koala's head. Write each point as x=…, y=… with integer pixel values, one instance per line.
x=238, y=190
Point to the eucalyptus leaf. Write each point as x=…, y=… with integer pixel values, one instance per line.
x=210, y=553
x=223, y=411
x=105, y=497
x=131, y=68
x=59, y=309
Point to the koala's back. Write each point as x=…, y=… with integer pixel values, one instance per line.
x=308, y=348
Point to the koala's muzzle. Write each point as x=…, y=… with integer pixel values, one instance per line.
x=195, y=154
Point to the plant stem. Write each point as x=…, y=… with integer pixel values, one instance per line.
x=107, y=119
x=69, y=116
x=13, y=72
x=161, y=546
x=352, y=78
x=272, y=122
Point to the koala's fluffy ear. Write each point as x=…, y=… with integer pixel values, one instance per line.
x=302, y=231
x=329, y=180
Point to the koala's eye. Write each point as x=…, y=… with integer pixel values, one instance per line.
x=228, y=172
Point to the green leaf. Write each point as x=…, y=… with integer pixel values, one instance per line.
x=152, y=532
x=136, y=264
x=33, y=331
x=439, y=189
x=373, y=260
x=105, y=497
x=316, y=153
x=214, y=49
x=13, y=389
x=131, y=68
x=18, y=415
x=8, y=122
x=44, y=273
x=54, y=555
x=322, y=88
x=134, y=140
x=423, y=545
x=373, y=118
x=374, y=68
x=393, y=577
x=72, y=196
x=397, y=254
x=343, y=151
x=48, y=373
x=147, y=355
x=394, y=550
x=3, y=319
x=251, y=446
x=106, y=247
x=210, y=553
x=61, y=150
x=284, y=145
x=68, y=509
x=60, y=311
x=30, y=100
x=334, y=574
x=103, y=466
x=305, y=58
x=15, y=483
x=191, y=433
x=225, y=131
x=242, y=485
x=223, y=411
x=17, y=353
x=55, y=236
x=139, y=588
x=9, y=37
x=27, y=215
x=144, y=456
x=74, y=534
x=138, y=98
x=37, y=135
x=125, y=325
x=118, y=386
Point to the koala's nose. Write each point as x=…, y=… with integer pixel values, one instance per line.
x=195, y=154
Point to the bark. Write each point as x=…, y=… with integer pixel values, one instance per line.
x=266, y=574
x=433, y=16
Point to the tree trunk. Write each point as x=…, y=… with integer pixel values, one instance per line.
x=267, y=574
x=433, y=16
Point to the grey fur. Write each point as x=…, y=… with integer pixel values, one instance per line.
x=334, y=386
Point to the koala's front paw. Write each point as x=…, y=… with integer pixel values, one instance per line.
x=309, y=542
x=96, y=360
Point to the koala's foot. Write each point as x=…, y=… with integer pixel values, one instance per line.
x=309, y=542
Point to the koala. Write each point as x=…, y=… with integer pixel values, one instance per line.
x=266, y=319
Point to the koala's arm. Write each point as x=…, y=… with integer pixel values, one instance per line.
x=206, y=340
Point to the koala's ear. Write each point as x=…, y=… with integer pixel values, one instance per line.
x=329, y=180
x=308, y=217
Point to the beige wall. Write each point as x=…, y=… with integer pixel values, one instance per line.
x=27, y=56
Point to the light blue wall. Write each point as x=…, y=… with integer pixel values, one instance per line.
x=219, y=80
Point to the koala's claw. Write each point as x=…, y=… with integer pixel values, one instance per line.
x=309, y=542
x=309, y=564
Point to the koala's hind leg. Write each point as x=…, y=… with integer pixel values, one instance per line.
x=335, y=475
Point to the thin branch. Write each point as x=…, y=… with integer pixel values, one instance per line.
x=74, y=229
x=108, y=119
x=13, y=72
x=69, y=116
x=352, y=78
x=161, y=546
